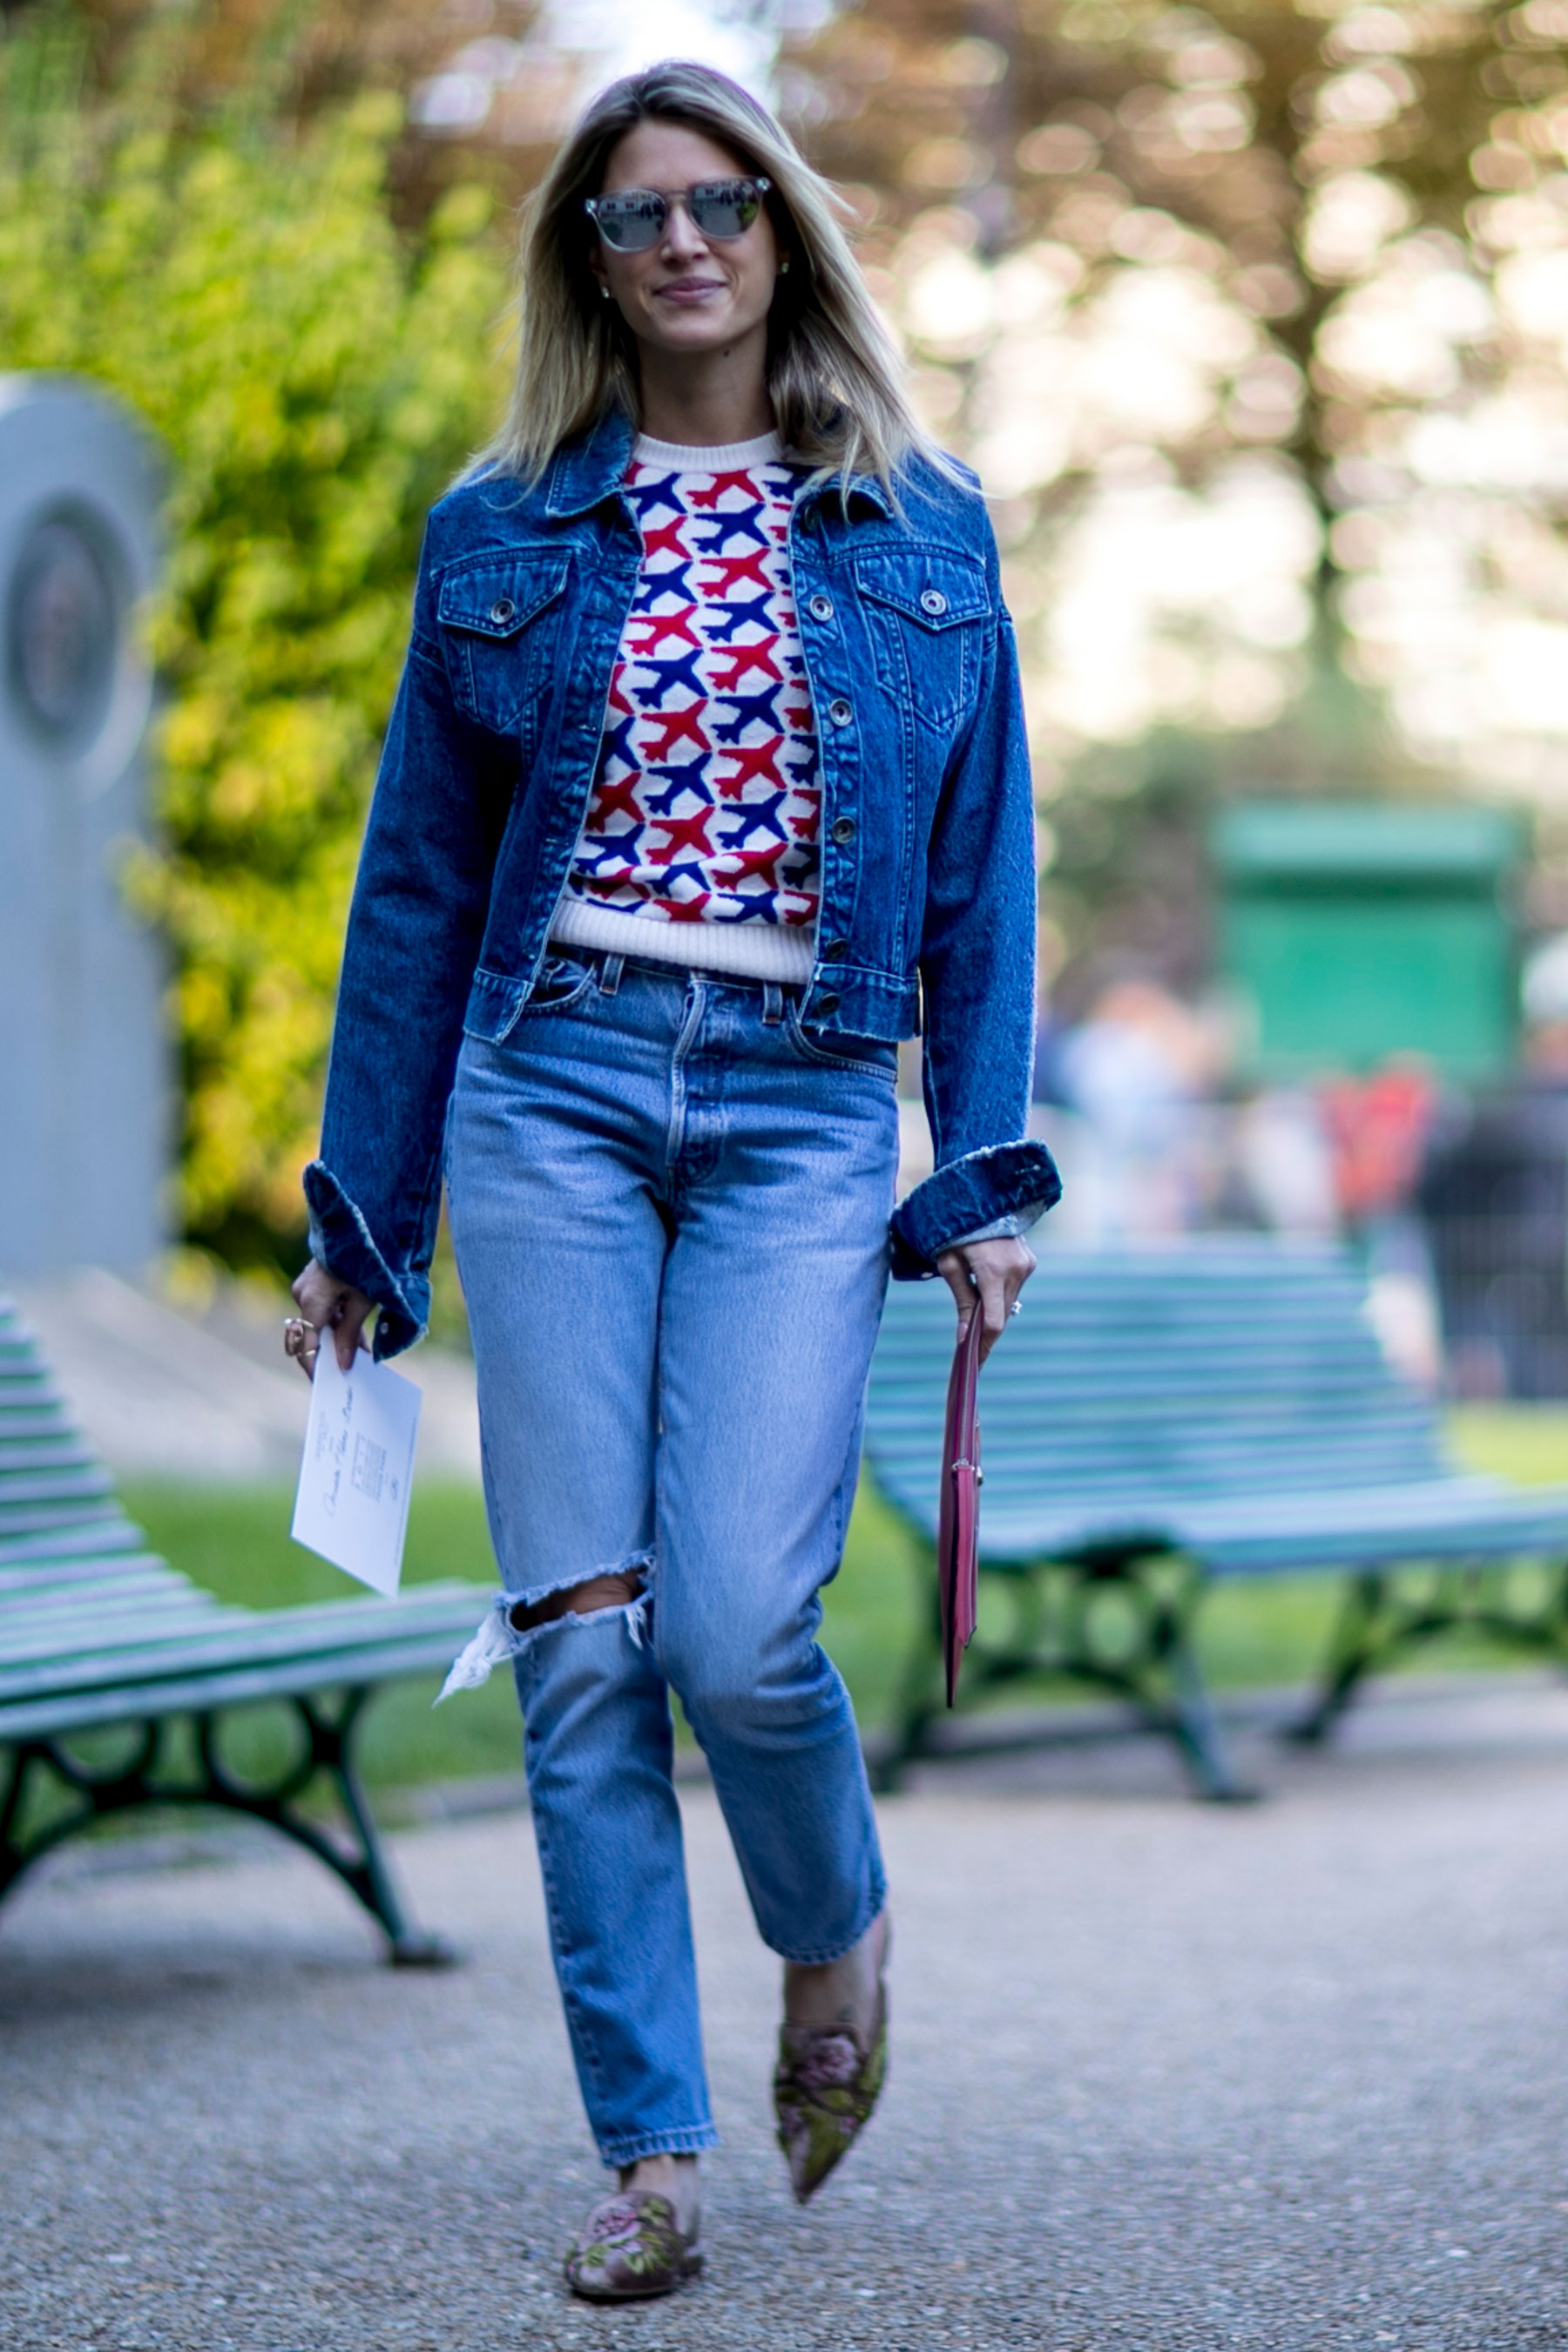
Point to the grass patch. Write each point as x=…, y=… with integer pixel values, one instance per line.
x=236, y=1541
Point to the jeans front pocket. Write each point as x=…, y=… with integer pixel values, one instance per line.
x=871, y=1057
x=561, y=981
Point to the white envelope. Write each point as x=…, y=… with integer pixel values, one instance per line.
x=354, y=1481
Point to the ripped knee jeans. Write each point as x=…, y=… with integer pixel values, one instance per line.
x=671, y=1217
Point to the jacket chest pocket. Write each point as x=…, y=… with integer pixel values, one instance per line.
x=499, y=618
x=926, y=616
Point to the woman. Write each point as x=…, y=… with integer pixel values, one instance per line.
x=705, y=784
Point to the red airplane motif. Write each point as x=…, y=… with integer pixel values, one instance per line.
x=736, y=568
x=615, y=800
x=804, y=827
x=690, y=833
x=663, y=538
x=617, y=695
x=750, y=864
x=680, y=726
x=746, y=658
x=755, y=765
x=740, y=480
x=683, y=910
x=660, y=625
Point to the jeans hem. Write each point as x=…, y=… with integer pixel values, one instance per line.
x=822, y=1957
x=675, y=2142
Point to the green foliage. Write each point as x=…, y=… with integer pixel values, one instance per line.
x=316, y=375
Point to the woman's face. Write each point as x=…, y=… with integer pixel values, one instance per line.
x=686, y=292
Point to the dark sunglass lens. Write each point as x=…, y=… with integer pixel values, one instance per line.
x=631, y=223
x=724, y=208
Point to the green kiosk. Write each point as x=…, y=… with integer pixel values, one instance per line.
x=1350, y=931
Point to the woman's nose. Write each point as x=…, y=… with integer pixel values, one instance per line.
x=683, y=240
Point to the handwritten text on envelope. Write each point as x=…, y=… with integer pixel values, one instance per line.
x=354, y=1481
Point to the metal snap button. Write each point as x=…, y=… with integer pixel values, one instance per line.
x=843, y=828
x=932, y=601
x=502, y=610
x=828, y=1003
x=821, y=608
x=835, y=951
x=838, y=710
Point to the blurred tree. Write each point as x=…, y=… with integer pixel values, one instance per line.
x=317, y=376
x=1253, y=317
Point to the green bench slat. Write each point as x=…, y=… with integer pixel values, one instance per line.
x=408, y=1652
x=1228, y=1400
x=81, y=1585
x=102, y=1539
x=95, y=1628
x=246, y=1638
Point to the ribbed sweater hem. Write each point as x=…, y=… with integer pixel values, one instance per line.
x=744, y=950
x=716, y=458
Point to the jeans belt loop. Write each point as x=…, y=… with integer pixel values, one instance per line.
x=772, y=1003
x=610, y=971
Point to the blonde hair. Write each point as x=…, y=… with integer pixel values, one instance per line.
x=833, y=376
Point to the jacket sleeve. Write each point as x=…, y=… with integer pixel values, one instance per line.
x=977, y=974
x=414, y=930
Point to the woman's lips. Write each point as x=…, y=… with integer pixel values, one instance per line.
x=690, y=290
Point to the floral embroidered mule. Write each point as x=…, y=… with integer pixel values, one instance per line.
x=632, y=2247
x=824, y=2088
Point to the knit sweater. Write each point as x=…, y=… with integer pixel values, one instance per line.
x=699, y=845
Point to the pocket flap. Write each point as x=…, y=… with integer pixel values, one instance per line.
x=494, y=1002
x=936, y=590
x=495, y=596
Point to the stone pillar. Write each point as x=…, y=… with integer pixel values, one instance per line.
x=85, y=1099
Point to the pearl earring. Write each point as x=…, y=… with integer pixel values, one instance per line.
x=784, y=265
x=604, y=293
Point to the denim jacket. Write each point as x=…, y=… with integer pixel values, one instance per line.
x=927, y=916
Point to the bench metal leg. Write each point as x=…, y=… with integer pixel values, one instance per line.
x=1386, y=1612
x=1058, y=1631
x=47, y=1794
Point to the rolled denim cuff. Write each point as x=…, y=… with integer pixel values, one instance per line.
x=966, y=1199
x=341, y=1241
x=1002, y=1229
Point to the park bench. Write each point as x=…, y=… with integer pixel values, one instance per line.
x=1158, y=1419
x=118, y=1674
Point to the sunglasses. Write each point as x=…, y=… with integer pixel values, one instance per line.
x=634, y=219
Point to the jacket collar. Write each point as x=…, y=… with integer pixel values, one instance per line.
x=585, y=471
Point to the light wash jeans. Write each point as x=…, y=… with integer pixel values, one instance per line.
x=670, y=1211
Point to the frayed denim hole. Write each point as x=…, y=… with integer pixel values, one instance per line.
x=637, y=1566
x=499, y=1639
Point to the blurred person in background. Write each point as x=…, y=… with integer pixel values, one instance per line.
x=1136, y=1073
x=1495, y=1197
x=706, y=784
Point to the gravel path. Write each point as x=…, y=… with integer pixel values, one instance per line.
x=1164, y=2076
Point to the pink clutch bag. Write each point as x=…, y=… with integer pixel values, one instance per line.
x=958, y=1510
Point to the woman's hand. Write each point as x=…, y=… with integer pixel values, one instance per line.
x=990, y=1274
x=326, y=1304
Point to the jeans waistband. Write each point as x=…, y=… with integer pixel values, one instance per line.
x=611, y=964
